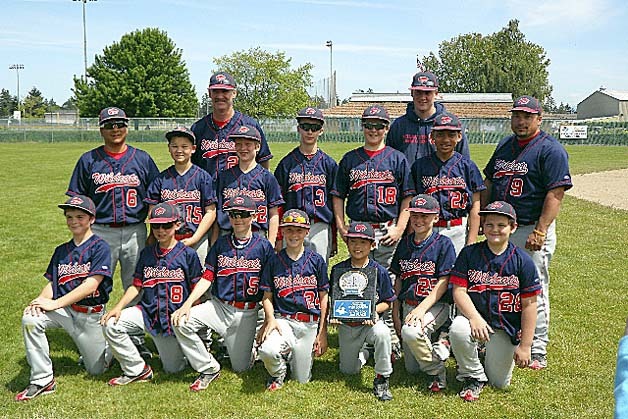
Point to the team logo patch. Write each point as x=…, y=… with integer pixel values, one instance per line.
x=76, y=201
x=310, y=111
x=420, y=202
x=445, y=120
x=360, y=228
x=159, y=211
x=374, y=111
x=113, y=111
x=423, y=79
x=238, y=201
x=494, y=205
x=243, y=130
x=523, y=101
x=221, y=78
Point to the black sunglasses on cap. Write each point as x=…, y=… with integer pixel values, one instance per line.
x=240, y=214
x=164, y=226
x=374, y=125
x=114, y=125
x=310, y=127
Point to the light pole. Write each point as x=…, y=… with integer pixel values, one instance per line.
x=17, y=68
x=330, y=44
x=84, y=36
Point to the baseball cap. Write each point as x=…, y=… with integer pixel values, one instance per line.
x=527, y=104
x=222, y=80
x=447, y=121
x=425, y=204
x=501, y=208
x=295, y=218
x=163, y=213
x=311, y=113
x=111, y=114
x=360, y=230
x=81, y=202
x=240, y=203
x=180, y=132
x=247, y=131
x=424, y=81
x=376, y=112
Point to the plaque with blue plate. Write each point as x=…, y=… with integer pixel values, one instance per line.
x=353, y=294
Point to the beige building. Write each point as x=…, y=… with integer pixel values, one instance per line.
x=604, y=104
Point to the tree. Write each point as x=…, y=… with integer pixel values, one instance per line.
x=501, y=62
x=267, y=86
x=69, y=104
x=34, y=104
x=8, y=103
x=205, y=107
x=142, y=74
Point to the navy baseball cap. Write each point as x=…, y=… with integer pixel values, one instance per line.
x=163, y=213
x=527, y=104
x=81, y=202
x=447, y=121
x=222, y=80
x=501, y=208
x=360, y=230
x=295, y=218
x=376, y=112
x=240, y=203
x=247, y=131
x=425, y=204
x=311, y=113
x=112, y=114
x=180, y=132
x=424, y=81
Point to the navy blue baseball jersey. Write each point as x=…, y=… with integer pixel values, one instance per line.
x=236, y=268
x=384, y=287
x=305, y=183
x=295, y=284
x=259, y=184
x=373, y=186
x=166, y=279
x=452, y=183
x=411, y=135
x=191, y=192
x=523, y=176
x=497, y=283
x=419, y=266
x=117, y=187
x=215, y=152
x=70, y=265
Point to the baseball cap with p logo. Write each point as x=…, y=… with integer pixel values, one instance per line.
x=111, y=114
x=424, y=81
x=360, y=230
x=376, y=112
x=222, y=80
x=425, y=204
x=164, y=213
x=447, y=121
x=527, y=104
x=500, y=208
x=81, y=202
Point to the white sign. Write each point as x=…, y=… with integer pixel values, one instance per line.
x=17, y=115
x=573, y=132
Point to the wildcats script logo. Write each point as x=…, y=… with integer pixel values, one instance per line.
x=214, y=148
x=412, y=268
x=254, y=194
x=510, y=168
x=229, y=265
x=288, y=285
x=416, y=139
x=179, y=196
x=154, y=276
x=70, y=271
x=299, y=181
x=433, y=184
x=108, y=181
x=361, y=178
x=482, y=281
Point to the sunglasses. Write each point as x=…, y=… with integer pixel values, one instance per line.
x=114, y=125
x=371, y=125
x=299, y=219
x=310, y=127
x=240, y=214
x=164, y=226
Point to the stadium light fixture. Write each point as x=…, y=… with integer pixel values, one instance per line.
x=84, y=36
x=332, y=95
x=17, y=68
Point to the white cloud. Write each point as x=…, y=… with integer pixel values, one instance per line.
x=355, y=3
x=566, y=13
x=352, y=48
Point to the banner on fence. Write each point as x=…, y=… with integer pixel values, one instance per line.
x=573, y=132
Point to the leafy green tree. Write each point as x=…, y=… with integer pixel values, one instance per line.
x=34, y=104
x=142, y=74
x=267, y=85
x=51, y=105
x=205, y=107
x=69, y=104
x=8, y=103
x=501, y=62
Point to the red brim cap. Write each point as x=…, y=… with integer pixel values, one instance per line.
x=162, y=220
x=524, y=109
x=360, y=236
x=294, y=224
x=424, y=210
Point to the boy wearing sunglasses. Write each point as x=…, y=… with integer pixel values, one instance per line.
x=306, y=176
x=165, y=275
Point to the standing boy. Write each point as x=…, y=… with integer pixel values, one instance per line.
x=352, y=336
x=495, y=286
x=454, y=180
x=79, y=275
x=422, y=263
x=306, y=176
x=165, y=275
x=295, y=285
x=233, y=269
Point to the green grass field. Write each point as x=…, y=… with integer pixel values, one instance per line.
x=589, y=300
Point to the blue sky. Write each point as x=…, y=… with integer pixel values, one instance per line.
x=375, y=43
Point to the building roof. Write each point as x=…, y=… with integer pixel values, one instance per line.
x=620, y=95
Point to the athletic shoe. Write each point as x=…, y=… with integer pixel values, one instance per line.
x=203, y=381
x=471, y=389
x=381, y=388
x=145, y=375
x=33, y=390
x=437, y=382
x=538, y=362
x=275, y=383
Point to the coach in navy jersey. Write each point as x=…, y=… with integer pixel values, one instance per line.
x=530, y=171
x=410, y=133
x=215, y=152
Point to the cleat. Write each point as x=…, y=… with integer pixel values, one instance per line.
x=145, y=375
x=437, y=383
x=471, y=389
x=203, y=381
x=275, y=383
x=538, y=362
x=33, y=390
x=381, y=389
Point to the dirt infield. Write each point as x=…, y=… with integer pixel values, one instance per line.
x=606, y=188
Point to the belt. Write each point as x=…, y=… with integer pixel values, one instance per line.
x=378, y=225
x=183, y=236
x=242, y=305
x=302, y=317
x=117, y=225
x=88, y=309
x=449, y=223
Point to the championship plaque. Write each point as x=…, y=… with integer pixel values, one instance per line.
x=353, y=294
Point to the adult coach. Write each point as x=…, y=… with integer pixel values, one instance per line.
x=215, y=152
x=410, y=133
x=530, y=171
